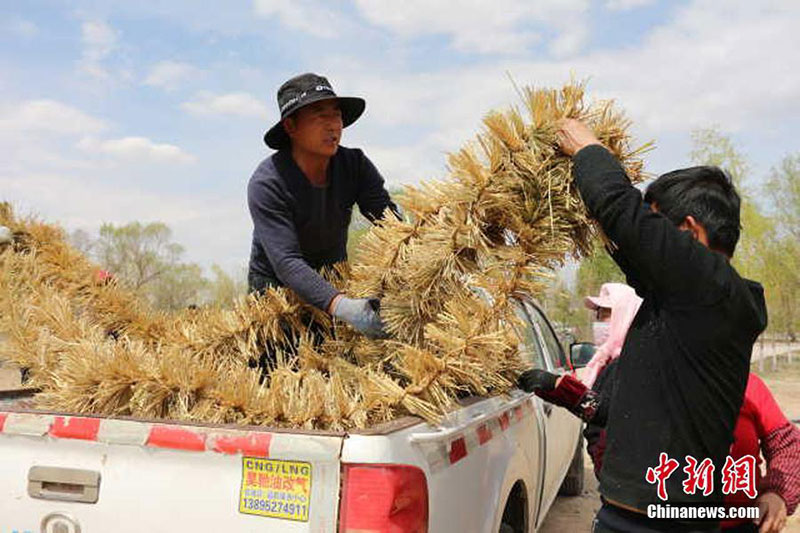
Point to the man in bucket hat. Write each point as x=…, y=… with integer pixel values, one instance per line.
x=301, y=199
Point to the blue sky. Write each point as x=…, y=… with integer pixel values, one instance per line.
x=115, y=111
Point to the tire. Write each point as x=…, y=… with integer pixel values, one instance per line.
x=573, y=482
x=515, y=519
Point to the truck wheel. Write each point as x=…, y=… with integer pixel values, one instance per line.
x=515, y=514
x=573, y=482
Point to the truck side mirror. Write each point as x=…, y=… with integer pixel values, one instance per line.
x=580, y=353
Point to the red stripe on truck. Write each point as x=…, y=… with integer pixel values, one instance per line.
x=253, y=445
x=176, y=438
x=458, y=450
x=484, y=434
x=504, y=423
x=3, y=417
x=74, y=427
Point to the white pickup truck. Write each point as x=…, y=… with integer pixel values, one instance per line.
x=493, y=466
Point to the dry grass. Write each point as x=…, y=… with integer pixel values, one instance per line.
x=505, y=218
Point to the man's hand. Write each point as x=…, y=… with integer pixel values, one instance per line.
x=537, y=380
x=772, y=510
x=573, y=135
x=361, y=313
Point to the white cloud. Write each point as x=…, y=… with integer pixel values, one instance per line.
x=56, y=196
x=569, y=40
x=734, y=68
x=500, y=26
x=309, y=16
x=38, y=129
x=701, y=65
x=214, y=229
x=138, y=149
x=46, y=116
x=170, y=75
x=99, y=40
x=22, y=27
x=236, y=103
x=402, y=164
x=625, y=5
x=709, y=66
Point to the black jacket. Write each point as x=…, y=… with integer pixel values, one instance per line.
x=683, y=369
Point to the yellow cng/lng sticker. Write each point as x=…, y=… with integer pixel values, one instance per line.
x=277, y=489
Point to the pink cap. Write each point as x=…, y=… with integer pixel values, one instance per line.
x=606, y=297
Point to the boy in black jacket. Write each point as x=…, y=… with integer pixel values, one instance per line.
x=684, y=366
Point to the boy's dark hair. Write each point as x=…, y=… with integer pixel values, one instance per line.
x=705, y=193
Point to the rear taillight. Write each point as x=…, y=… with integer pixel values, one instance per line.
x=383, y=499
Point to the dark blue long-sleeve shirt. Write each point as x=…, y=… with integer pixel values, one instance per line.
x=300, y=227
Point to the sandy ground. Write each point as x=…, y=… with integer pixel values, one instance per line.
x=574, y=514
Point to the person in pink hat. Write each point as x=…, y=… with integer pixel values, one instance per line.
x=589, y=397
x=615, y=307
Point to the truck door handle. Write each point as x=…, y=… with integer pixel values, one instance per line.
x=63, y=484
x=548, y=408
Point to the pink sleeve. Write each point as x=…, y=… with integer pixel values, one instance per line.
x=782, y=452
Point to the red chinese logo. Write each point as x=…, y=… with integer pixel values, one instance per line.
x=698, y=477
x=739, y=475
x=661, y=473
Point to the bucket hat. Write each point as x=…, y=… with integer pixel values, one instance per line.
x=301, y=91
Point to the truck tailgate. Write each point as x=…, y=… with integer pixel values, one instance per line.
x=148, y=476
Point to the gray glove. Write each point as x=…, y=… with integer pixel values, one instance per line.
x=362, y=314
x=5, y=235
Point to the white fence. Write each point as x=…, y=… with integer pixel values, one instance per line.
x=770, y=350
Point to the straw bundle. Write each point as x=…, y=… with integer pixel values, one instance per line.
x=447, y=276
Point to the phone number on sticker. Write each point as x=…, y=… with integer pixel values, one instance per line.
x=276, y=507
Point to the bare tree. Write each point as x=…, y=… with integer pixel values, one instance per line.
x=143, y=257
